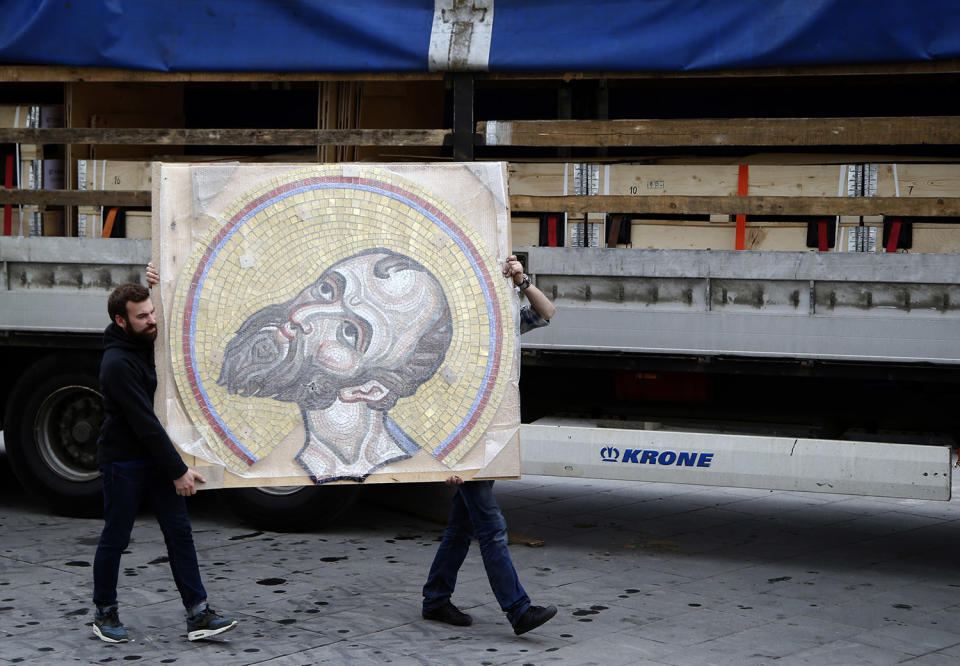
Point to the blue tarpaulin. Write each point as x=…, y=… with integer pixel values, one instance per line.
x=494, y=35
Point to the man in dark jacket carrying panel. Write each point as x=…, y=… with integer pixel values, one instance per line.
x=138, y=462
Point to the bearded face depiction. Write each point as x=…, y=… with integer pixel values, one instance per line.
x=370, y=330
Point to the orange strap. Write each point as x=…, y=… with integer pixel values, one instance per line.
x=743, y=179
x=108, y=225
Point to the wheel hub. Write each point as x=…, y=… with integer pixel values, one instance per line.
x=66, y=429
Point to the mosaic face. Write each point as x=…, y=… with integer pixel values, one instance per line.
x=316, y=294
x=378, y=321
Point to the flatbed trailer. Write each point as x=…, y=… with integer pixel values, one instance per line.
x=678, y=354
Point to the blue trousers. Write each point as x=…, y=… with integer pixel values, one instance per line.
x=476, y=513
x=125, y=487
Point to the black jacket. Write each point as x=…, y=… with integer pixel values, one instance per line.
x=131, y=430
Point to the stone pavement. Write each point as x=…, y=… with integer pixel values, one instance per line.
x=642, y=574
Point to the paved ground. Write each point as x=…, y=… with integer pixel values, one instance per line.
x=642, y=573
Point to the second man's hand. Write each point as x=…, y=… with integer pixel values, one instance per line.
x=513, y=269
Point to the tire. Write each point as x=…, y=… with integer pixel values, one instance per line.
x=51, y=428
x=291, y=508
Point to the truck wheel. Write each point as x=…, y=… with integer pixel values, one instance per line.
x=50, y=432
x=291, y=508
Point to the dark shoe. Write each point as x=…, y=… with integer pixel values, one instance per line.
x=107, y=627
x=533, y=617
x=207, y=623
x=450, y=614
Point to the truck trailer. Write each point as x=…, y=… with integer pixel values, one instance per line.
x=748, y=217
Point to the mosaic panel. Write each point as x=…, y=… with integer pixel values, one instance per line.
x=362, y=306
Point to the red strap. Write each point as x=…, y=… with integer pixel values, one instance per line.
x=822, y=235
x=7, y=209
x=894, y=236
x=613, y=233
x=552, y=230
x=743, y=179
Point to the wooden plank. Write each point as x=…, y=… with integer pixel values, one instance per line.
x=721, y=180
x=694, y=205
x=57, y=73
x=748, y=205
x=228, y=137
x=945, y=66
x=711, y=132
x=76, y=197
x=552, y=178
x=894, y=179
x=934, y=238
x=113, y=175
x=918, y=180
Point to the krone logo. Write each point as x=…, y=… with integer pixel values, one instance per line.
x=610, y=454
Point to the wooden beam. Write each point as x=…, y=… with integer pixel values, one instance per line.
x=711, y=132
x=733, y=205
x=929, y=67
x=227, y=137
x=76, y=197
x=64, y=74
x=640, y=204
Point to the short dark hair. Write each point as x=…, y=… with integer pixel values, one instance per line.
x=119, y=297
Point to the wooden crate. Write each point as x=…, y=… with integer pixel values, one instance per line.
x=31, y=115
x=35, y=221
x=89, y=221
x=22, y=220
x=113, y=175
x=137, y=223
x=42, y=174
x=905, y=180
x=524, y=231
x=718, y=232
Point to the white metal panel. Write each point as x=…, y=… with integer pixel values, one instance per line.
x=54, y=311
x=760, y=334
x=744, y=461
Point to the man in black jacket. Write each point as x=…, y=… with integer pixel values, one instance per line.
x=138, y=462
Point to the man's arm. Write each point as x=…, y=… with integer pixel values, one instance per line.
x=538, y=300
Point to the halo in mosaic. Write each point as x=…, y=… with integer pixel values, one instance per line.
x=275, y=240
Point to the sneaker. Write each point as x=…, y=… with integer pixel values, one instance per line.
x=107, y=627
x=533, y=617
x=450, y=614
x=208, y=623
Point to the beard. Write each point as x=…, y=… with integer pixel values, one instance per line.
x=145, y=337
x=255, y=364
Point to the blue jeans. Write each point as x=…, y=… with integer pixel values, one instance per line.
x=125, y=486
x=476, y=513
